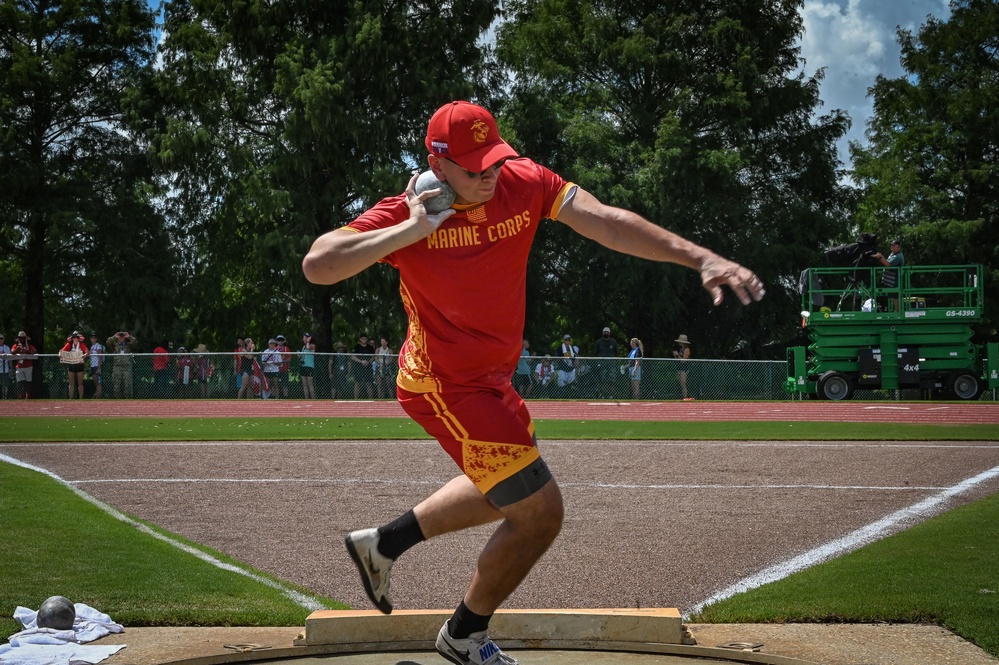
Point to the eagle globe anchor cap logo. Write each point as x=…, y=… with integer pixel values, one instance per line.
x=467, y=134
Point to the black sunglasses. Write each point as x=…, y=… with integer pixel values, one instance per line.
x=473, y=175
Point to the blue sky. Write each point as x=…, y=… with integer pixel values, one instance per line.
x=855, y=40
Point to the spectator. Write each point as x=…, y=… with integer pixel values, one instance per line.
x=544, y=374
x=250, y=371
x=384, y=374
x=74, y=356
x=161, y=371
x=237, y=366
x=307, y=366
x=204, y=369
x=120, y=347
x=338, y=371
x=635, y=367
x=522, y=377
x=6, y=369
x=567, y=366
x=270, y=361
x=606, y=348
x=362, y=359
x=185, y=373
x=682, y=353
x=285, y=351
x=25, y=355
x=96, y=364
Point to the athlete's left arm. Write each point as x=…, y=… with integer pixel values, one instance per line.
x=629, y=233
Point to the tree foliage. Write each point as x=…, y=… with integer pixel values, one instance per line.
x=930, y=171
x=691, y=114
x=283, y=120
x=80, y=240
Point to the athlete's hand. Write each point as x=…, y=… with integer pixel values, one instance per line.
x=717, y=272
x=417, y=211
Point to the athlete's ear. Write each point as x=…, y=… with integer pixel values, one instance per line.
x=435, y=165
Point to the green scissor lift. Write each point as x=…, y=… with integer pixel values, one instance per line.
x=914, y=334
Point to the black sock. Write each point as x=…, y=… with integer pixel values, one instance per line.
x=464, y=622
x=399, y=535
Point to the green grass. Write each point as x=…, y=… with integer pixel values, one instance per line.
x=291, y=429
x=943, y=571
x=54, y=542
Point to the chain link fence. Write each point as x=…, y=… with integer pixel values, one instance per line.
x=339, y=376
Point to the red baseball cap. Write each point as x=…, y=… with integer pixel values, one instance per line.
x=467, y=134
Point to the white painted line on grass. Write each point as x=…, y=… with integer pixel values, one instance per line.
x=851, y=541
x=301, y=599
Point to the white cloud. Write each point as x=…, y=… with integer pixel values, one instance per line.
x=855, y=40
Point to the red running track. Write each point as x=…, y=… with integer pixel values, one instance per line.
x=940, y=413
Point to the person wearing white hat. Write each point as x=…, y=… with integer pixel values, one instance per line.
x=682, y=353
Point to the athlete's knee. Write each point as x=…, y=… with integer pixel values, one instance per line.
x=540, y=514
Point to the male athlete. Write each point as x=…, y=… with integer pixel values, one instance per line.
x=463, y=277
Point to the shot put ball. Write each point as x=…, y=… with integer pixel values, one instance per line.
x=57, y=612
x=442, y=201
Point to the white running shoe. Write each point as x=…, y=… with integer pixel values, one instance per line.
x=374, y=566
x=477, y=649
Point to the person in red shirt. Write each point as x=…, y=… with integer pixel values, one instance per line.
x=161, y=371
x=24, y=364
x=74, y=355
x=463, y=280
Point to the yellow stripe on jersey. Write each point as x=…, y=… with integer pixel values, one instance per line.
x=486, y=463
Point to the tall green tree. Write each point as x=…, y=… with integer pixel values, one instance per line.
x=78, y=234
x=690, y=113
x=930, y=172
x=282, y=120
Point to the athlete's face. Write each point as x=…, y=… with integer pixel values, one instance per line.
x=468, y=187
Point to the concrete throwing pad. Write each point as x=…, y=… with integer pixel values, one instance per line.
x=542, y=637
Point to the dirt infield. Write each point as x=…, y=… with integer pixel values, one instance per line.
x=648, y=523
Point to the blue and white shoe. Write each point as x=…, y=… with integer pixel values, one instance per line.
x=476, y=649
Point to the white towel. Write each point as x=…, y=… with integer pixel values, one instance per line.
x=47, y=646
x=57, y=654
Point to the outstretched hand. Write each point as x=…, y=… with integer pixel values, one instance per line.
x=427, y=222
x=717, y=272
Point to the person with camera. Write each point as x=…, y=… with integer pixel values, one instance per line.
x=895, y=260
x=120, y=347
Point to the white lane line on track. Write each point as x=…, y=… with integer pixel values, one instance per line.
x=854, y=540
x=403, y=481
x=307, y=602
x=575, y=443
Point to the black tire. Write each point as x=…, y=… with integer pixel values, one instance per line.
x=835, y=386
x=962, y=384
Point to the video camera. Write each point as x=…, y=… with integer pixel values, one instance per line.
x=859, y=254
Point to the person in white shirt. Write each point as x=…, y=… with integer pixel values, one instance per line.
x=6, y=369
x=96, y=363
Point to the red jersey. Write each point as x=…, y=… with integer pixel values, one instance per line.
x=464, y=286
x=161, y=359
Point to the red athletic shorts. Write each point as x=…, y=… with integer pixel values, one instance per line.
x=490, y=436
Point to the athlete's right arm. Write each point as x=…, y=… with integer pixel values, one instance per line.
x=343, y=253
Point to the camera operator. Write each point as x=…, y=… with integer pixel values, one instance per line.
x=895, y=260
